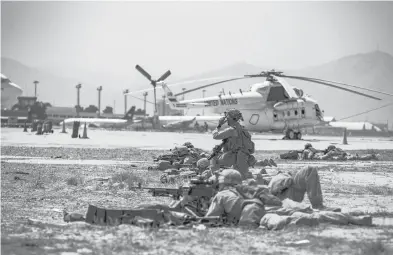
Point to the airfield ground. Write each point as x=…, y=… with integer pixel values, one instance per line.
x=42, y=175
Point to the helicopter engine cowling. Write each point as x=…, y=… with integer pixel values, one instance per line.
x=283, y=106
x=299, y=92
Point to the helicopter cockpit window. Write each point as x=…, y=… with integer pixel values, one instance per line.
x=277, y=94
x=303, y=112
x=295, y=112
x=254, y=119
x=275, y=116
x=318, y=111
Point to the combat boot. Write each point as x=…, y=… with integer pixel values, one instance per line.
x=325, y=208
x=363, y=220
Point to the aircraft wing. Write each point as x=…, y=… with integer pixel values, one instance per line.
x=355, y=125
x=211, y=120
x=189, y=118
x=95, y=120
x=180, y=123
x=198, y=104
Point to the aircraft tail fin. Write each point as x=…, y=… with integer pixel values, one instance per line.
x=172, y=100
x=130, y=114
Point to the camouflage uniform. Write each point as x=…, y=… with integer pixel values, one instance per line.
x=235, y=155
x=228, y=202
x=294, y=186
x=309, y=152
x=277, y=221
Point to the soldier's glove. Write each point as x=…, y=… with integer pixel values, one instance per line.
x=221, y=122
x=217, y=148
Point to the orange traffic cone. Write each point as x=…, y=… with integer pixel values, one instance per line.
x=64, y=129
x=345, y=137
x=85, y=132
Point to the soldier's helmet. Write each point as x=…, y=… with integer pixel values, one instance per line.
x=308, y=145
x=331, y=147
x=235, y=114
x=230, y=176
x=203, y=163
x=188, y=145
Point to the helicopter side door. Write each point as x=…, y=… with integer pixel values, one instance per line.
x=258, y=121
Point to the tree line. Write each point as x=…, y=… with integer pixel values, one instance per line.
x=109, y=110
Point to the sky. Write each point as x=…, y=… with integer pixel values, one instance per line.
x=189, y=37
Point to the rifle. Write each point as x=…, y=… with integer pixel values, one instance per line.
x=214, y=220
x=217, y=149
x=202, y=190
x=196, y=188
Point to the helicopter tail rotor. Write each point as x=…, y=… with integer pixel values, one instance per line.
x=153, y=82
x=164, y=76
x=143, y=72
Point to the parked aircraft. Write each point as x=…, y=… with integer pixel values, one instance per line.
x=126, y=121
x=273, y=105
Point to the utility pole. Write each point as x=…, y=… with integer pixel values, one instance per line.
x=163, y=105
x=35, y=87
x=125, y=100
x=203, y=96
x=99, y=100
x=144, y=109
x=184, y=89
x=78, y=87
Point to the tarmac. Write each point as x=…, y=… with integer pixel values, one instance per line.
x=167, y=140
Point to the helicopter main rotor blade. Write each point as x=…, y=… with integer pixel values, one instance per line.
x=341, y=83
x=330, y=85
x=358, y=114
x=209, y=85
x=142, y=99
x=182, y=83
x=143, y=72
x=287, y=87
x=164, y=76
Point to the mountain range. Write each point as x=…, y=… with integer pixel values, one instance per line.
x=373, y=70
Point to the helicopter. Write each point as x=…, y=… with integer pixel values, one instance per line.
x=273, y=105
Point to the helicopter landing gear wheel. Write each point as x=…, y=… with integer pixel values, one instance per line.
x=299, y=136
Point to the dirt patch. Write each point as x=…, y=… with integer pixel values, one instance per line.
x=43, y=191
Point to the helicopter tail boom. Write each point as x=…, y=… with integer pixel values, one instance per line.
x=172, y=100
